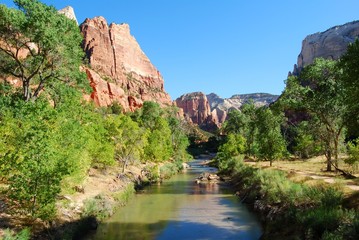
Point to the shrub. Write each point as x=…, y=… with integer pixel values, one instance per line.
x=22, y=235
x=99, y=207
x=124, y=196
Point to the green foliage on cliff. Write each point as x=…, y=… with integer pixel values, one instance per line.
x=40, y=47
x=45, y=149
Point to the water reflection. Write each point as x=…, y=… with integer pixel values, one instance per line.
x=182, y=209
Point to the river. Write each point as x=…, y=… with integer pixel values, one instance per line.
x=180, y=208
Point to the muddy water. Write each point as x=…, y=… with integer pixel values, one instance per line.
x=179, y=208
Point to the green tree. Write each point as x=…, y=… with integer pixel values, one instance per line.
x=229, y=151
x=39, y=46
x=353, y=151
x=319, y=91
x=129, y=139
x=250, y=110
x=150, y=113
x=236, y=122
x=271, y=145
x=179, y=139
x=243, y=122
x=34, y=165
x=159, y=146
x=307, y=141
x=349, y=63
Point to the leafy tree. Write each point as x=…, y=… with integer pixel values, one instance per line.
x=270, y=140
x=159, y=146
x=33, y=165
x=243, y=122
x=150, y=113
x=319, y=91
x=236, y=122
x=307, y=141
x=129, y=139
x=227, y=152
x=179, y=139
x=349, y=63
x=250, y=110
x=353, y=150
x=39, y=46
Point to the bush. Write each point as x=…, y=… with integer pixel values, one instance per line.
x=124, y=196
x=22, y=235
x=99, y=207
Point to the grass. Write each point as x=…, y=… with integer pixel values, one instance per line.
x=311, y=171
x=306, y=208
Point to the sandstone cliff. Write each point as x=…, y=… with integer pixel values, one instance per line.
x=330, y=44
x=195, y=107
x=120, y=71
x=69, y=13
x=210, y=111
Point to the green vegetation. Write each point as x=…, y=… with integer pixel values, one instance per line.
x=294, y=210
x=22, y=235
x=51, y=137
x=316, y=115
x=40, y=47
x=255, y=132
x=44, y=149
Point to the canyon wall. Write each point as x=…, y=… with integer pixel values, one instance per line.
x=119, y=70
x=330, y=44
x=210, y=111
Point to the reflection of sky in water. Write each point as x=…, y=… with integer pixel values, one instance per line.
x=182, y=209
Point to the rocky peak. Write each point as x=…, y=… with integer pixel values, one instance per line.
x=330, y=44
x=210, y=111
x=118, y=62
x=69, y=12
x=195, y=107
x=259, y=99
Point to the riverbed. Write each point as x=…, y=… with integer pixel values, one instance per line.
x=180, y=208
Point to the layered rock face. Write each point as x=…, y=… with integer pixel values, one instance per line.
x=210, y=111
x=195, y=107
x=69, y=13
x=120, y=71
x=330, y=44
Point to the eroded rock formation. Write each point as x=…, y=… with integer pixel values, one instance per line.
x=330, y=44
x=210, y=111
x=195, y=107
x=69, y=13
x=120, y=71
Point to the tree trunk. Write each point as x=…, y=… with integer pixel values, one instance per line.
x=26, y=90
x=329, y=160
x=125, y=160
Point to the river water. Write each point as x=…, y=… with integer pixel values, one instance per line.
x=180, y=208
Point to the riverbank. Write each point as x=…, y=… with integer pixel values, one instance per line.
x=181, y=208
x=296, y=209
x=97, y=198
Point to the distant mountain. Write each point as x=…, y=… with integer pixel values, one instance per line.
x=330, y=44
x=210, y=111
x=237, y=100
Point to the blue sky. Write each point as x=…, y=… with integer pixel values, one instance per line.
x=222, y=46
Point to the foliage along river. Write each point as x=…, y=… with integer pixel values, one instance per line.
x=180, y=208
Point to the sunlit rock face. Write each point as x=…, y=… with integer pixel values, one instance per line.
x=69, y=13
x=330, y=44
x=195, y=107
x=117, y=61
x=210, y=111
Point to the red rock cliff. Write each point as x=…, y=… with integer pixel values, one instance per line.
x=120, y=71
x=195, y=107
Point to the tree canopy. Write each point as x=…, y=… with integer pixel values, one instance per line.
x=39, y=46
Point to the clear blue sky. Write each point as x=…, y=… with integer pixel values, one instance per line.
x=222, y=46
